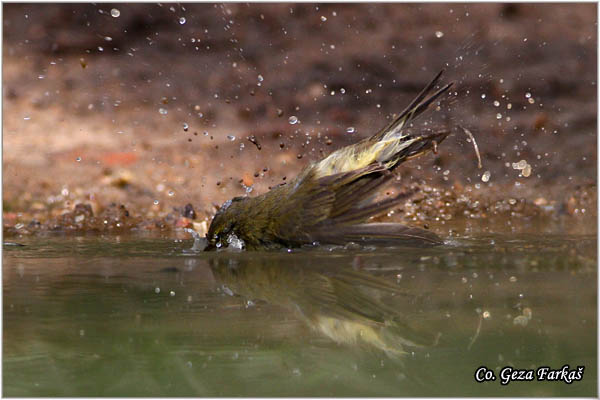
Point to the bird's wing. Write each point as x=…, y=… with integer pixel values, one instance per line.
x=383, y=234
x=313, y=203
x=334, y=209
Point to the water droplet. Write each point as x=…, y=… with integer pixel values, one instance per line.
x=78, y=159
x=231, y=137
x=527, y=95
x=342, y=90
x=496, y=103
x=520, y=165
x=260, y=78
x=439, y=34
x=171, y=193
x=323, y=18
x=508, y=106
x=498, y=116
x=182, y=20
x=108, y=38
x=350, y=129
x=157, y=290
x=486, y=176
x=172, y=293
x=520, y=320
x=27, y=118
x=185, y=127
x=483, y=96
x=115, y=13
x=156, y=202
x=486, y=315
x=163, y=111
x=293, y=120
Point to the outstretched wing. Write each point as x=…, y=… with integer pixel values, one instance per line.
x=334, y=209
x=331, y=200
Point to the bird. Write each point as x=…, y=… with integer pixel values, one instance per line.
x=331, y=201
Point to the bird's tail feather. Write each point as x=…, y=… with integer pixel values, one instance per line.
x=413, y=110
x=390, y=146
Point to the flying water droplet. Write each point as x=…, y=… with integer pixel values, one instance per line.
x=115, y=13
x=293, y=120
x=486, y=176
x=235, y=243
x=350, y=129
x=182, y=20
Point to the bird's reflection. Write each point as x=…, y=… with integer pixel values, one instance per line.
x=340, y=302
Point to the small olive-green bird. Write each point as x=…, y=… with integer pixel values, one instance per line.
x=331, y=200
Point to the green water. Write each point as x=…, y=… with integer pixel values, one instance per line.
x=131, y=316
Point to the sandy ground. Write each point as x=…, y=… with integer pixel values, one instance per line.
x=142, y=121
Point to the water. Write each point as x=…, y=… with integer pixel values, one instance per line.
x=135, y=316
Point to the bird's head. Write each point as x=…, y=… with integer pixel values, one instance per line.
x=221, y=232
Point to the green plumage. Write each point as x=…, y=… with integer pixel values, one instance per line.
x=331, y=200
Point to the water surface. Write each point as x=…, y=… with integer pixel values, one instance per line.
x=135, y=316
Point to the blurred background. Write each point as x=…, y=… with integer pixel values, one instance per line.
x=148, y=116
